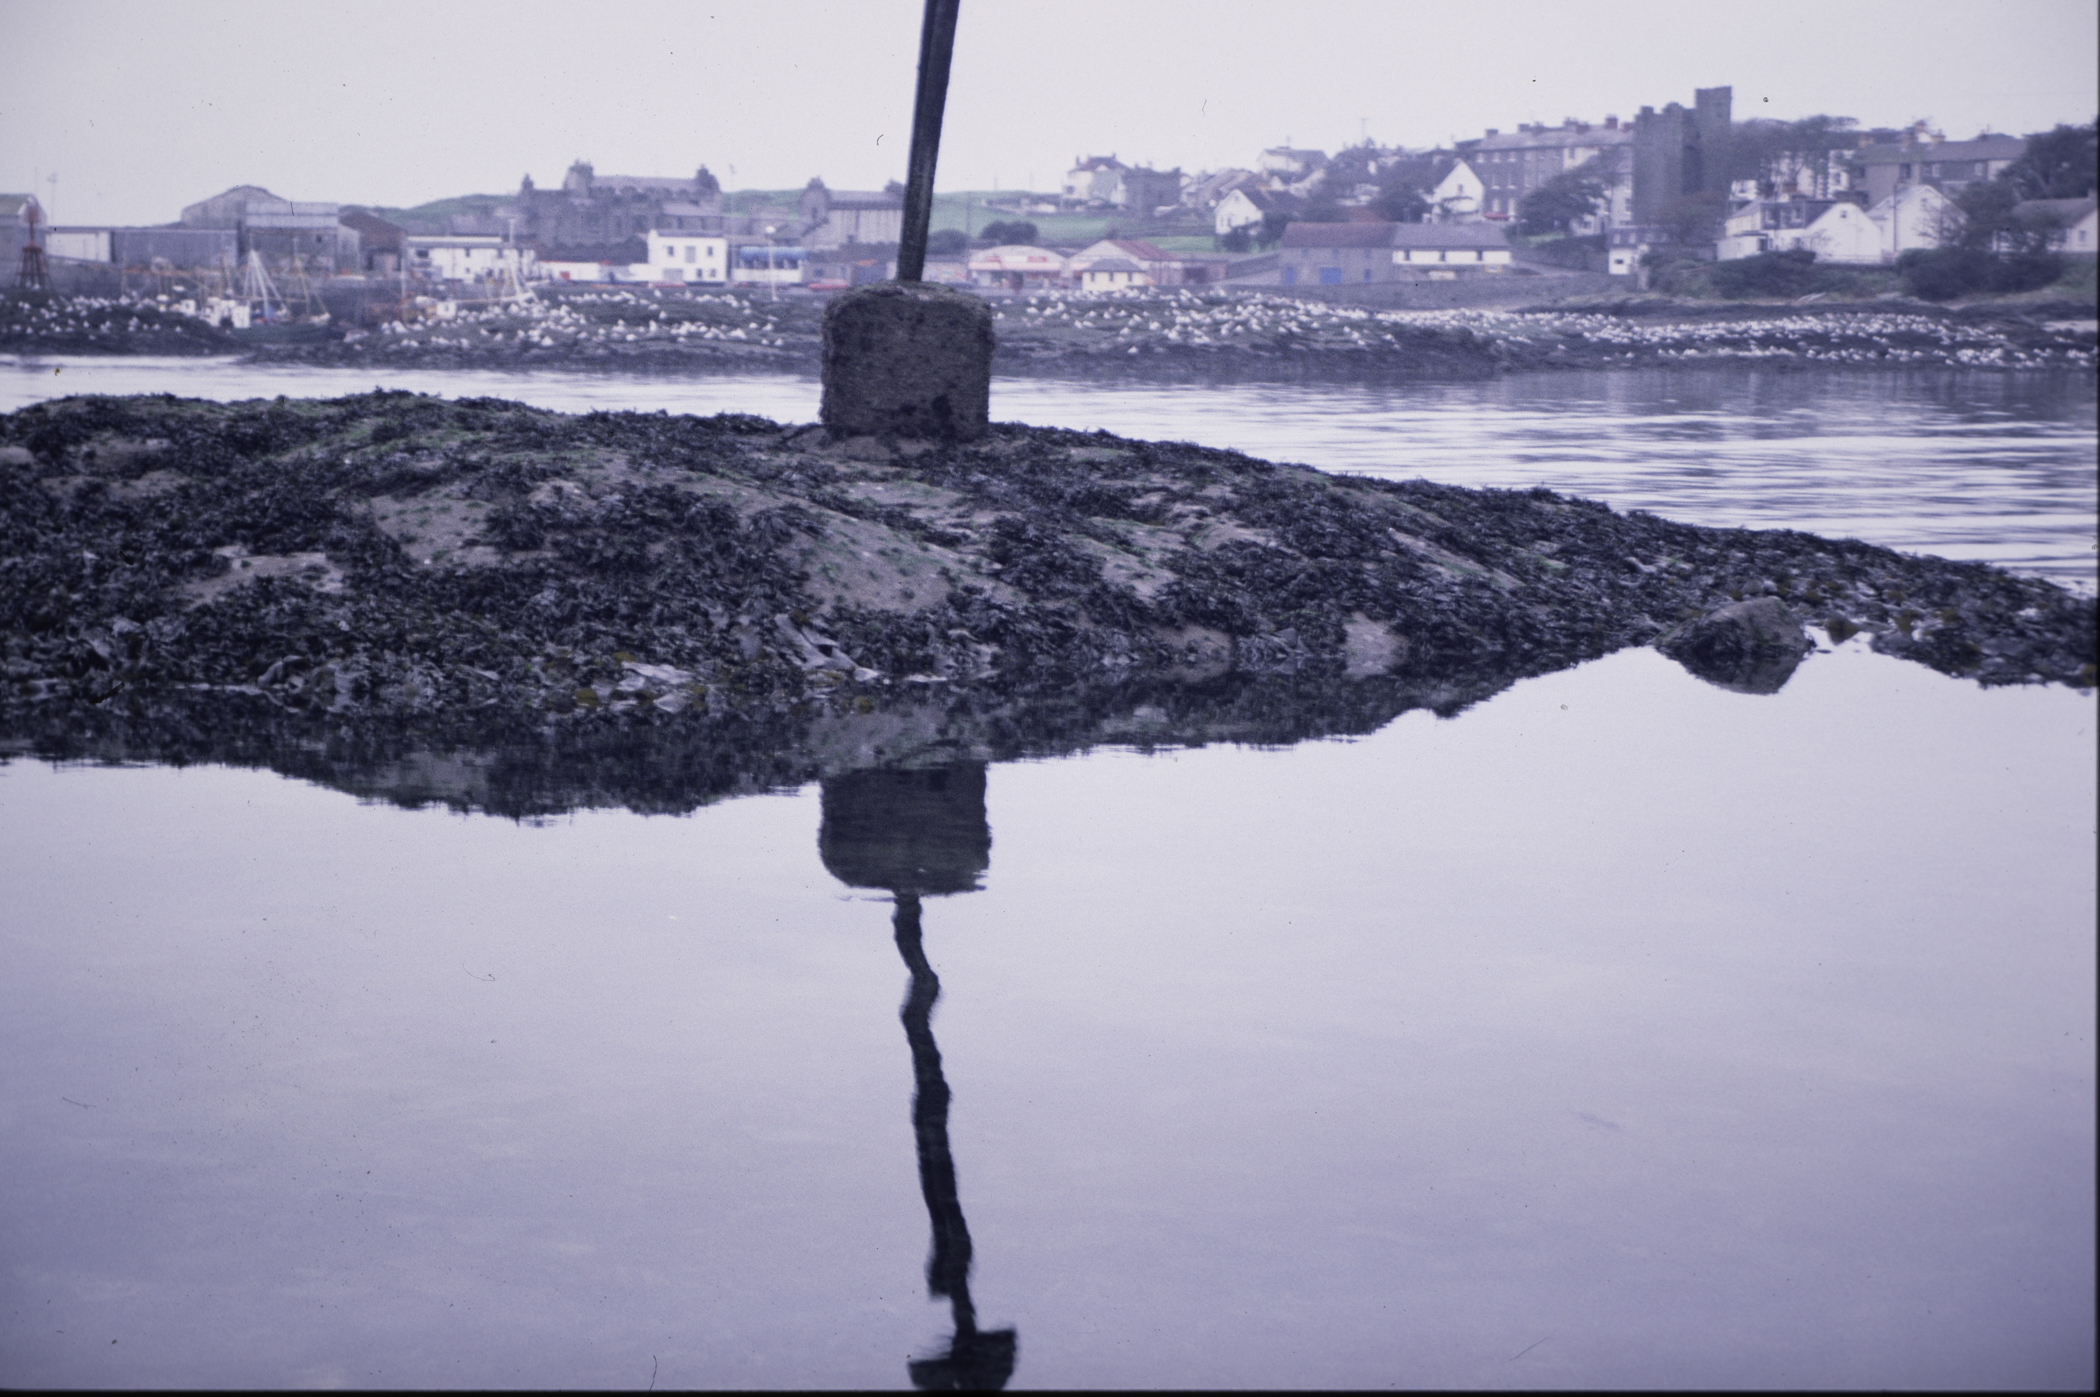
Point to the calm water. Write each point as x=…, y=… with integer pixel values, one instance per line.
x=1620, y=1031
x=1998, y=467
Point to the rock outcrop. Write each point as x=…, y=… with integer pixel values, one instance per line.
x=1751, y=646
x=394, y=558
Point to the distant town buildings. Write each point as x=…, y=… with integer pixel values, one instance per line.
x=381, y=245
x=1944, y=165
x=1513, y=165
x=1287, y=168
x=1148, y=264
x=1355, y=254
x=848, y=217
x=1683, y=181
x=2064, y=225
x=1017, y=268
x=1682, y=152
x=590, y=211
x=468, y=257
x=1102, y=181
x=1246, y=207
x=697, y=259
x=1913, y=217
x=1836, y=230
x=282, y=230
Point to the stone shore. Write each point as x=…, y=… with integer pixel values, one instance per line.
x=1183, y=335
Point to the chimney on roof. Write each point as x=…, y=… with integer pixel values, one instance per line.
x=1493, y=132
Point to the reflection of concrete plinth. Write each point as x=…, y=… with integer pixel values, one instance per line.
x=908, y=359
x=914, y=832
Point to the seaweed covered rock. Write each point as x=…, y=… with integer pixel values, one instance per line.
x=1751, y=646
x=395, y=555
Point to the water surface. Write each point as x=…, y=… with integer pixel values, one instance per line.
x=1619, y=1031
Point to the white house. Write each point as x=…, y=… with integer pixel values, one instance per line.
x=1842, y=233
x=1835, y=230
x=1457, y=195
x=1244, y=207
x=468, y=257
x=1094, y=179
x=1911, y=217
x=1113, y=274
x=689, y=257
x=1625, y=245
x=2072, y=225
x=1442, y=251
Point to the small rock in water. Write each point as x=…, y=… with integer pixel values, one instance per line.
x=1750, y=647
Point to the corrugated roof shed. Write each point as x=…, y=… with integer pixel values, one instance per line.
x=1448, y=235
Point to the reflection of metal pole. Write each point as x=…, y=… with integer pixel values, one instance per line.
x=922, y=833
x=948, y=1268
x=936, y=48
x=975, y=1360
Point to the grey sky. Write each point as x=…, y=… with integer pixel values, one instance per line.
x=141, y=108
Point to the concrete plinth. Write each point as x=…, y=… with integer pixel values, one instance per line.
x=908, y=359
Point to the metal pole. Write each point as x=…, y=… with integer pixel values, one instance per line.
x=936, y=48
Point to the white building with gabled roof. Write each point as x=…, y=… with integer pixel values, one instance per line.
x=1912, y=217
x=1457, y=196
x=1445, y=250
x=1836, y=230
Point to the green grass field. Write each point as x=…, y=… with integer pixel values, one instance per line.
x=965, y=209
x=429, y=219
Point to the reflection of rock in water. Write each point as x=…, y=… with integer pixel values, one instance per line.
x=520, y=767
x=918, y=832
x=1751, y=647
x=924, y=833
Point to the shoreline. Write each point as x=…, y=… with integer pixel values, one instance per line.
x=1177, y=336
